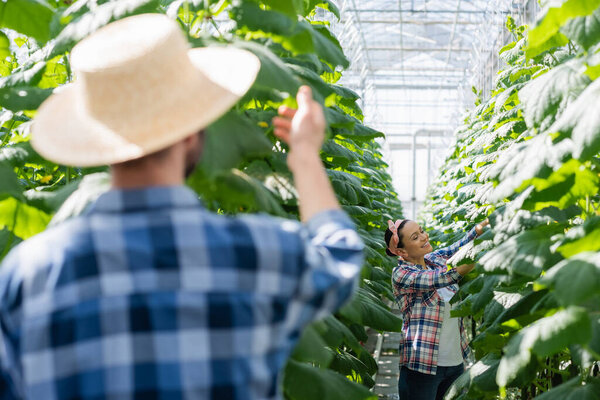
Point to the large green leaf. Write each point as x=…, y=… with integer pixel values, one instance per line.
x=582, y=121
x=584, y=31
x=335, y=333
x=527, y=253
x=573, y=390
x=273, y=74
x=304, y=382
x=575, y=279
x=310, y=348
x=23, y=98
x=91, y=21
x=581, y=238
x=29, y=17
x=548, y=94
x=543, y=338
x=231, y=139
x=365, y=310
x=524, y=161
x=9, y=183
x=544, y=35
x=564, y=187
x=23, y=220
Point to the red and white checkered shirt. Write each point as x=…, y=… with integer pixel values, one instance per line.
x=415, y=290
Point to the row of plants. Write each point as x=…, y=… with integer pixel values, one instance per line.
x=243, y=168
x=527, y=157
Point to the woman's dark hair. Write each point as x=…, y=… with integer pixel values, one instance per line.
x=388, y=236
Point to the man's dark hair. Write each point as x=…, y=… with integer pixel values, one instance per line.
x=388, y=236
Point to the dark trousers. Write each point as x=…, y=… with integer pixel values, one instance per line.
x=414, y=385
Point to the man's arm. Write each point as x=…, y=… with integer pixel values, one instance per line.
x=333, y=250
x=304, y=131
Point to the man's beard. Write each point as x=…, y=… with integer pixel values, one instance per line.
x=193, y=157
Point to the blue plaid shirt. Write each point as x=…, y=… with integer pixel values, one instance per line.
x=149, y=296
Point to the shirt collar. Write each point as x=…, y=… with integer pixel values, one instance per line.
x=428, y=264
x=153, y=197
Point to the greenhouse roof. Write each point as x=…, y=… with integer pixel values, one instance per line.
x=414, y=62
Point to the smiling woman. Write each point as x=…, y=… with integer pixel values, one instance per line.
x=433, y=345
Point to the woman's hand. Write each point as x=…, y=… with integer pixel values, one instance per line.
x=480, y=226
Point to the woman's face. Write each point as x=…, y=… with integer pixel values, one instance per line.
x=415, y=240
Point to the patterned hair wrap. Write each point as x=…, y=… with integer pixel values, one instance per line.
x=393, y=227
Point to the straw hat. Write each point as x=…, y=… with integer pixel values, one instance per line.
x=138, y=89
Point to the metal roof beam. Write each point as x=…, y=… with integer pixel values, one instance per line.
x=414, y=87
x=418, y=22
x=418, y=49
x=430, y=11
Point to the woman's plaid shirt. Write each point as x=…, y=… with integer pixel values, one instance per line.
x=415, y=290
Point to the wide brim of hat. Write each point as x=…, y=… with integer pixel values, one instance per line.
x=64, y=132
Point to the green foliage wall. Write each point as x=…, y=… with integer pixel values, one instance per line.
x=243, y=168
x=528, y=157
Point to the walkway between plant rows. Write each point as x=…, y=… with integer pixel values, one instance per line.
x=386, y=354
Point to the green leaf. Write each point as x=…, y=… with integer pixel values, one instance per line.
x=543, y=36
x=231, y=139
x=327, y=46
x=365, y=310
x=304, y=382
x=582, y=121
x=574, y=390
x=23, y=98
x=91, y=21
x=585, y=31
x=524, y=161
x=4, y=46
x=324, y=4
x=235, y=191
x=250, y=15
x=29, y=17
x=581, y=238
x=23, y=220
x=575, y=279
x=9, y=183
x=544, y=338
x=544, y=96
x=291, y=8
x=310, y=348
x=24, y=77
x=273, y=74
x=564, y=187
x=335, y=333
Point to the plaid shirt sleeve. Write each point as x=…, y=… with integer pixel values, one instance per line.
x=449, y=251
x=9, y=381
x=333, y=254
x=413, y=280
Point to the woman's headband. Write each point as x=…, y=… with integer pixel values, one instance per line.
x=393, y=227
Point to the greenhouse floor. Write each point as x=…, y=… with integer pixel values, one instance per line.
x=386, y=380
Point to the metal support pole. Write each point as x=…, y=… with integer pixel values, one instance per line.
x=414, y=177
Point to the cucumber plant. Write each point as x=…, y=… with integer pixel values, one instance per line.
x=527, y=157
x=243, y=168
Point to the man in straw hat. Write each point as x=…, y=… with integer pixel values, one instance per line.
x=148, y=295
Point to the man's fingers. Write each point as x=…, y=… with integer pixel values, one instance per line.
x=287, y=112
x=304, y=96
x=282, y=134
x=283, y=123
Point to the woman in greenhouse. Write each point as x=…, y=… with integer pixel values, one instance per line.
x=433, y=346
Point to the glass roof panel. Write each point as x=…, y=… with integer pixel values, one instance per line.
x=414, y=62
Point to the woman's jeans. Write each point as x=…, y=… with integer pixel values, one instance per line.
x=414, y=385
